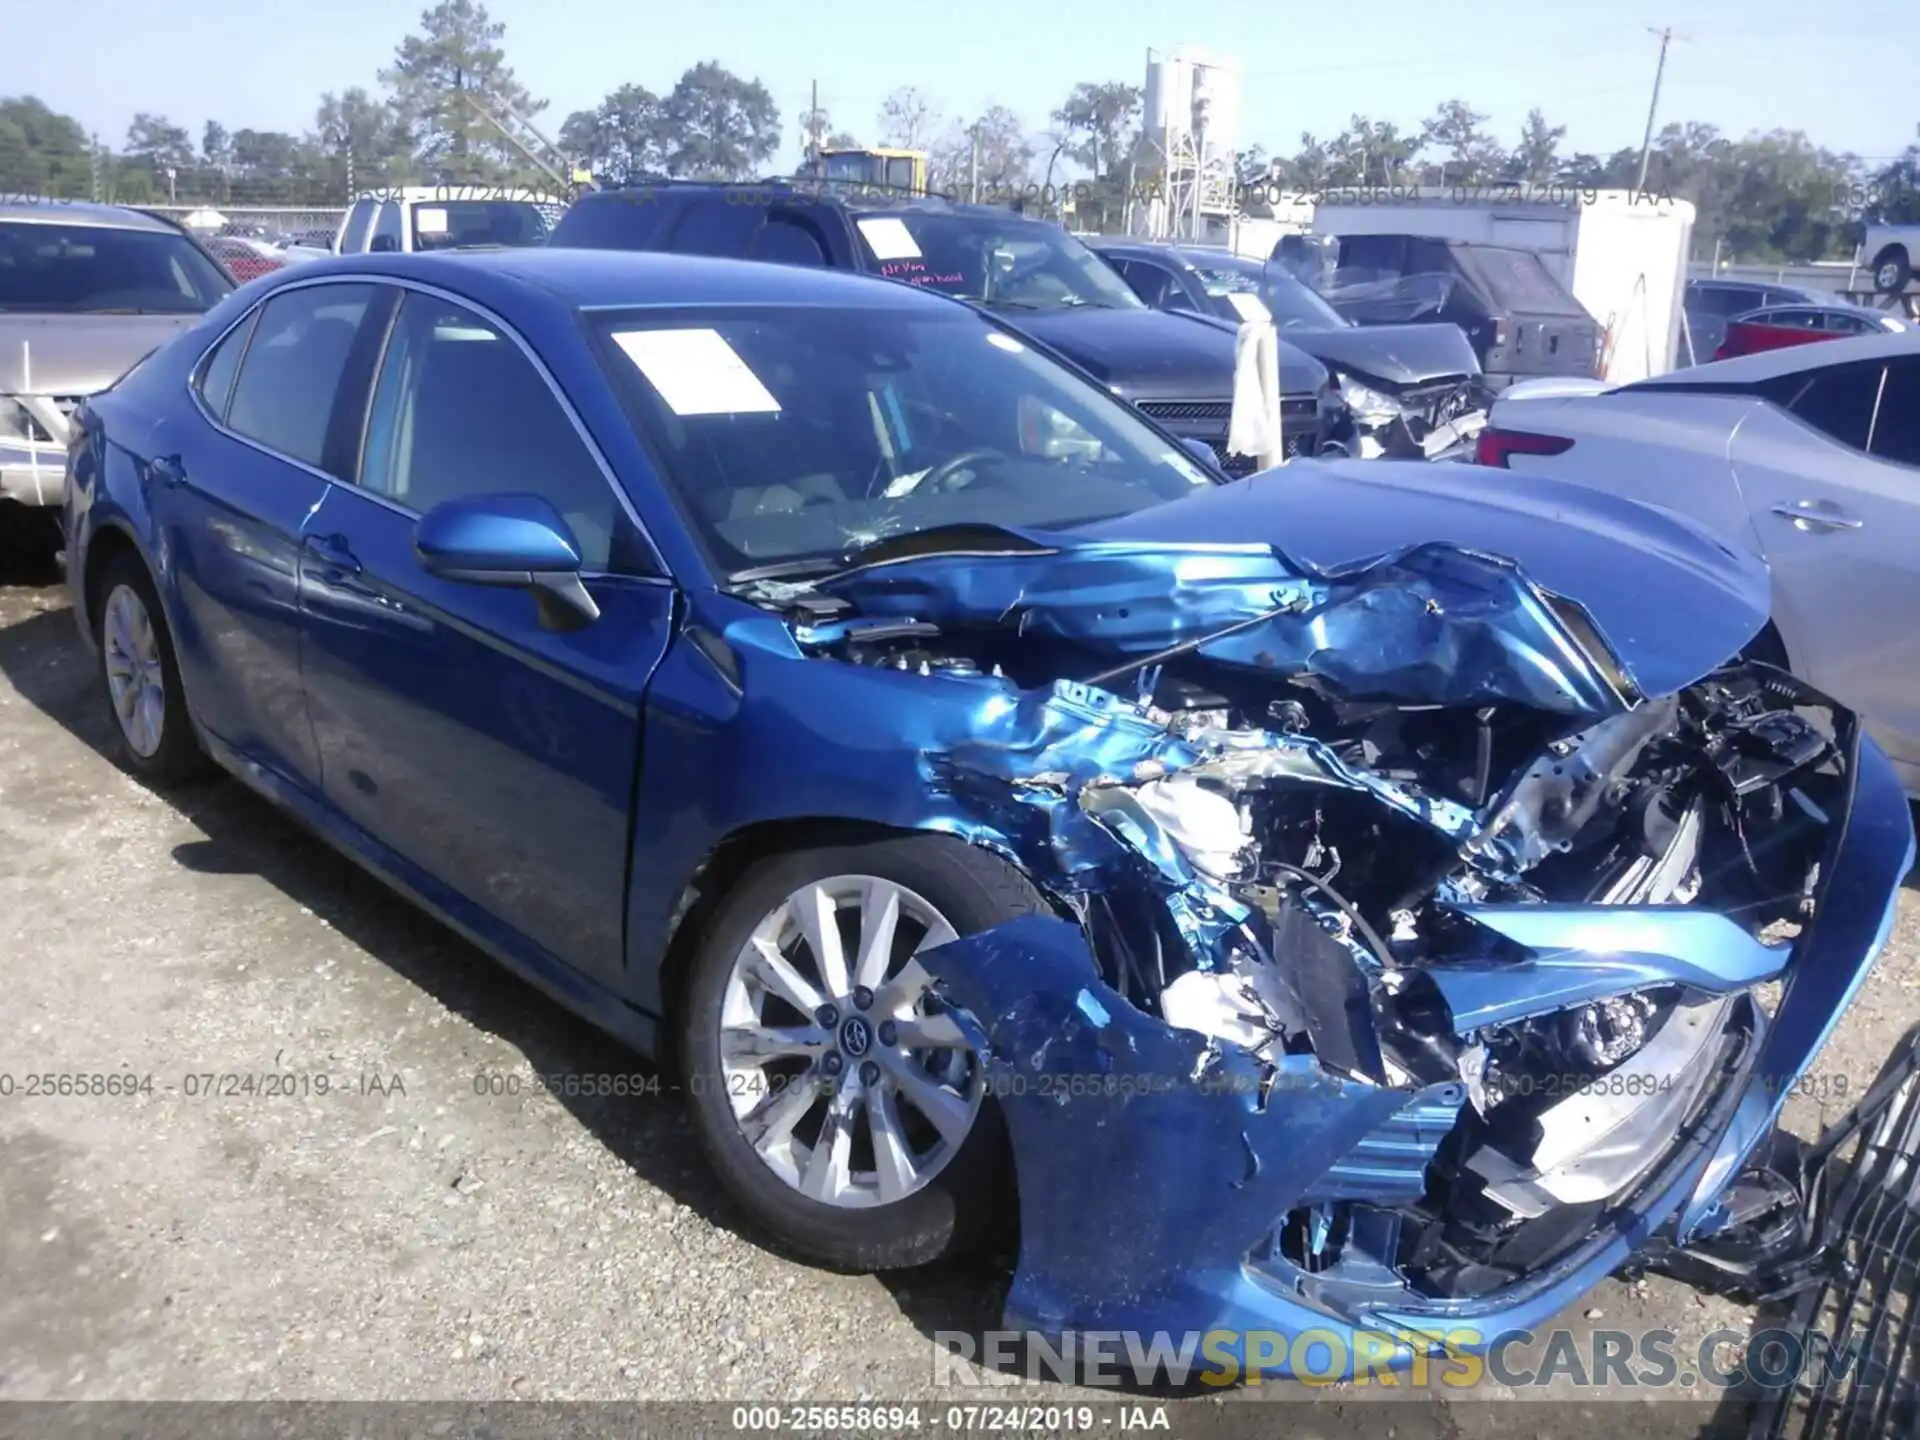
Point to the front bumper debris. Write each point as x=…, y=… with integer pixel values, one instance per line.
x=1158, y=1168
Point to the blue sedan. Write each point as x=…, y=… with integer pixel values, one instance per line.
x=1332, y=895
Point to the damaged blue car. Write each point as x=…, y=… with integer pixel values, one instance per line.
x=1347, y=897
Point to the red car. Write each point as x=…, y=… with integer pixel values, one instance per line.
x=1785, y=325
x=245, y=259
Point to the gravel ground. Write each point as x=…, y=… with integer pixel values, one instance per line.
x=402, y=1236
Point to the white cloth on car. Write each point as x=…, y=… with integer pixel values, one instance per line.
x=1254, y=427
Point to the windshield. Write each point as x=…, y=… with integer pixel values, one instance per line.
x=1296, y=307
x=1009, y=262
x=97, y=269
x=802, y=433
x=1292, y=305
x=443, y=224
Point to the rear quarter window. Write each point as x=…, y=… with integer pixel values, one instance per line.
x=617, y=220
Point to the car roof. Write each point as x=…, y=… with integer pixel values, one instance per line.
x=606, y=279
x=851, y=196
x=1757, y=287
x=1747, y=369
x=415, y=194
x=1836, y=306
x=82, y=212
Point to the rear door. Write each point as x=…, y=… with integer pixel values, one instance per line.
x=230, y=501
x=496, y=759
x=1833, y=482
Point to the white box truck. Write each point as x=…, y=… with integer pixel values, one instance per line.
x=1622, y=254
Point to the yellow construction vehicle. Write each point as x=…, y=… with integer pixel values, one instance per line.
x=895, y=169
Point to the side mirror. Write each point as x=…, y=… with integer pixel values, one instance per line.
x=384, y=244
x=1201, y=451
x=517, y=541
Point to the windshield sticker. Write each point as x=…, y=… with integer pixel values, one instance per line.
x=430, y=220
x=889, y=238
x=1249, y=306
x=697, y=372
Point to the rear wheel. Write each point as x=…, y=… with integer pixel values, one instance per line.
x=141, y=678
x=1892, y=270
x=835, y=1097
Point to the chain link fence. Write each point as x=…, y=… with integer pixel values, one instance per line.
x=278, y=224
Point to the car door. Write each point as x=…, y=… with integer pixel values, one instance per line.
x=1833, y=487
x=229, y=498
x=494, y=759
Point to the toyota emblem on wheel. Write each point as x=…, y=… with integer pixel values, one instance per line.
x=856, y=1036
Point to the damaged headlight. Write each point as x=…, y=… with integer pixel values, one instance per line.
x=1370, y=406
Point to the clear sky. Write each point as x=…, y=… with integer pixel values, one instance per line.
x=1841, y=70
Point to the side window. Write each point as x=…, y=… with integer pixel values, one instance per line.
x=1719, y=300
x=1838, y=401
x=218, y=370
x=787, y=242
x=1152, y=283
x=285, y=393
x=617, y=220
x=716, y=227
x=359, y=221
x=1844, y=324
x=386, y=229
x=1896, y=431
x=459, y=411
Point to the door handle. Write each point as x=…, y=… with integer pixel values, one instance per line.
x=333, y=552
x=168, y=470
x=1808, y=514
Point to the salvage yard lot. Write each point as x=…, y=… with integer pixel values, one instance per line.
x=400, y=1214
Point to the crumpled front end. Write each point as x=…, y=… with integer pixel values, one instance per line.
x=1411, y=965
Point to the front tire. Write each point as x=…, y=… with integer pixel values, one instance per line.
x=833, y=1096
x=140, y=678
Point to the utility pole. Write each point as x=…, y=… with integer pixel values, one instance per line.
x=973, y=164
x=93, y=167
x=815, y=140
x=1646, y=145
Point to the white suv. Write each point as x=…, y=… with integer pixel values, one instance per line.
x=441, y=217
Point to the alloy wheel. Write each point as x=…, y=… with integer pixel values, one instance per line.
x=844, y=1072
x=136, y=681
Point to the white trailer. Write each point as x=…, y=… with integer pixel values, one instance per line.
x=1622, y=254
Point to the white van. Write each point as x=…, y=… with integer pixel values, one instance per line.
x=441, y=217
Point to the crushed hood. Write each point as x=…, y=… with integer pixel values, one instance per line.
x=1431, y=584
x=1396, y=355
x=1150, y=355
x=78, y=354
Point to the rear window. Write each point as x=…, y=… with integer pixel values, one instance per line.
x=98, y=270
x=1518, y=280
x=619, y=220
x=443, y=224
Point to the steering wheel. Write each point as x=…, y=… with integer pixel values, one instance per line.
x=937, y=478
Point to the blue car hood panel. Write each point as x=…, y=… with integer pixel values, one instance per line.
x=1402, y=582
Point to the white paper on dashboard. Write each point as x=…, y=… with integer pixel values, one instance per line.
x=889, y=237
x=430, y=221
x=697, y=372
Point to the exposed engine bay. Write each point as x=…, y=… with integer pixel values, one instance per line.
x=1439, y=895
